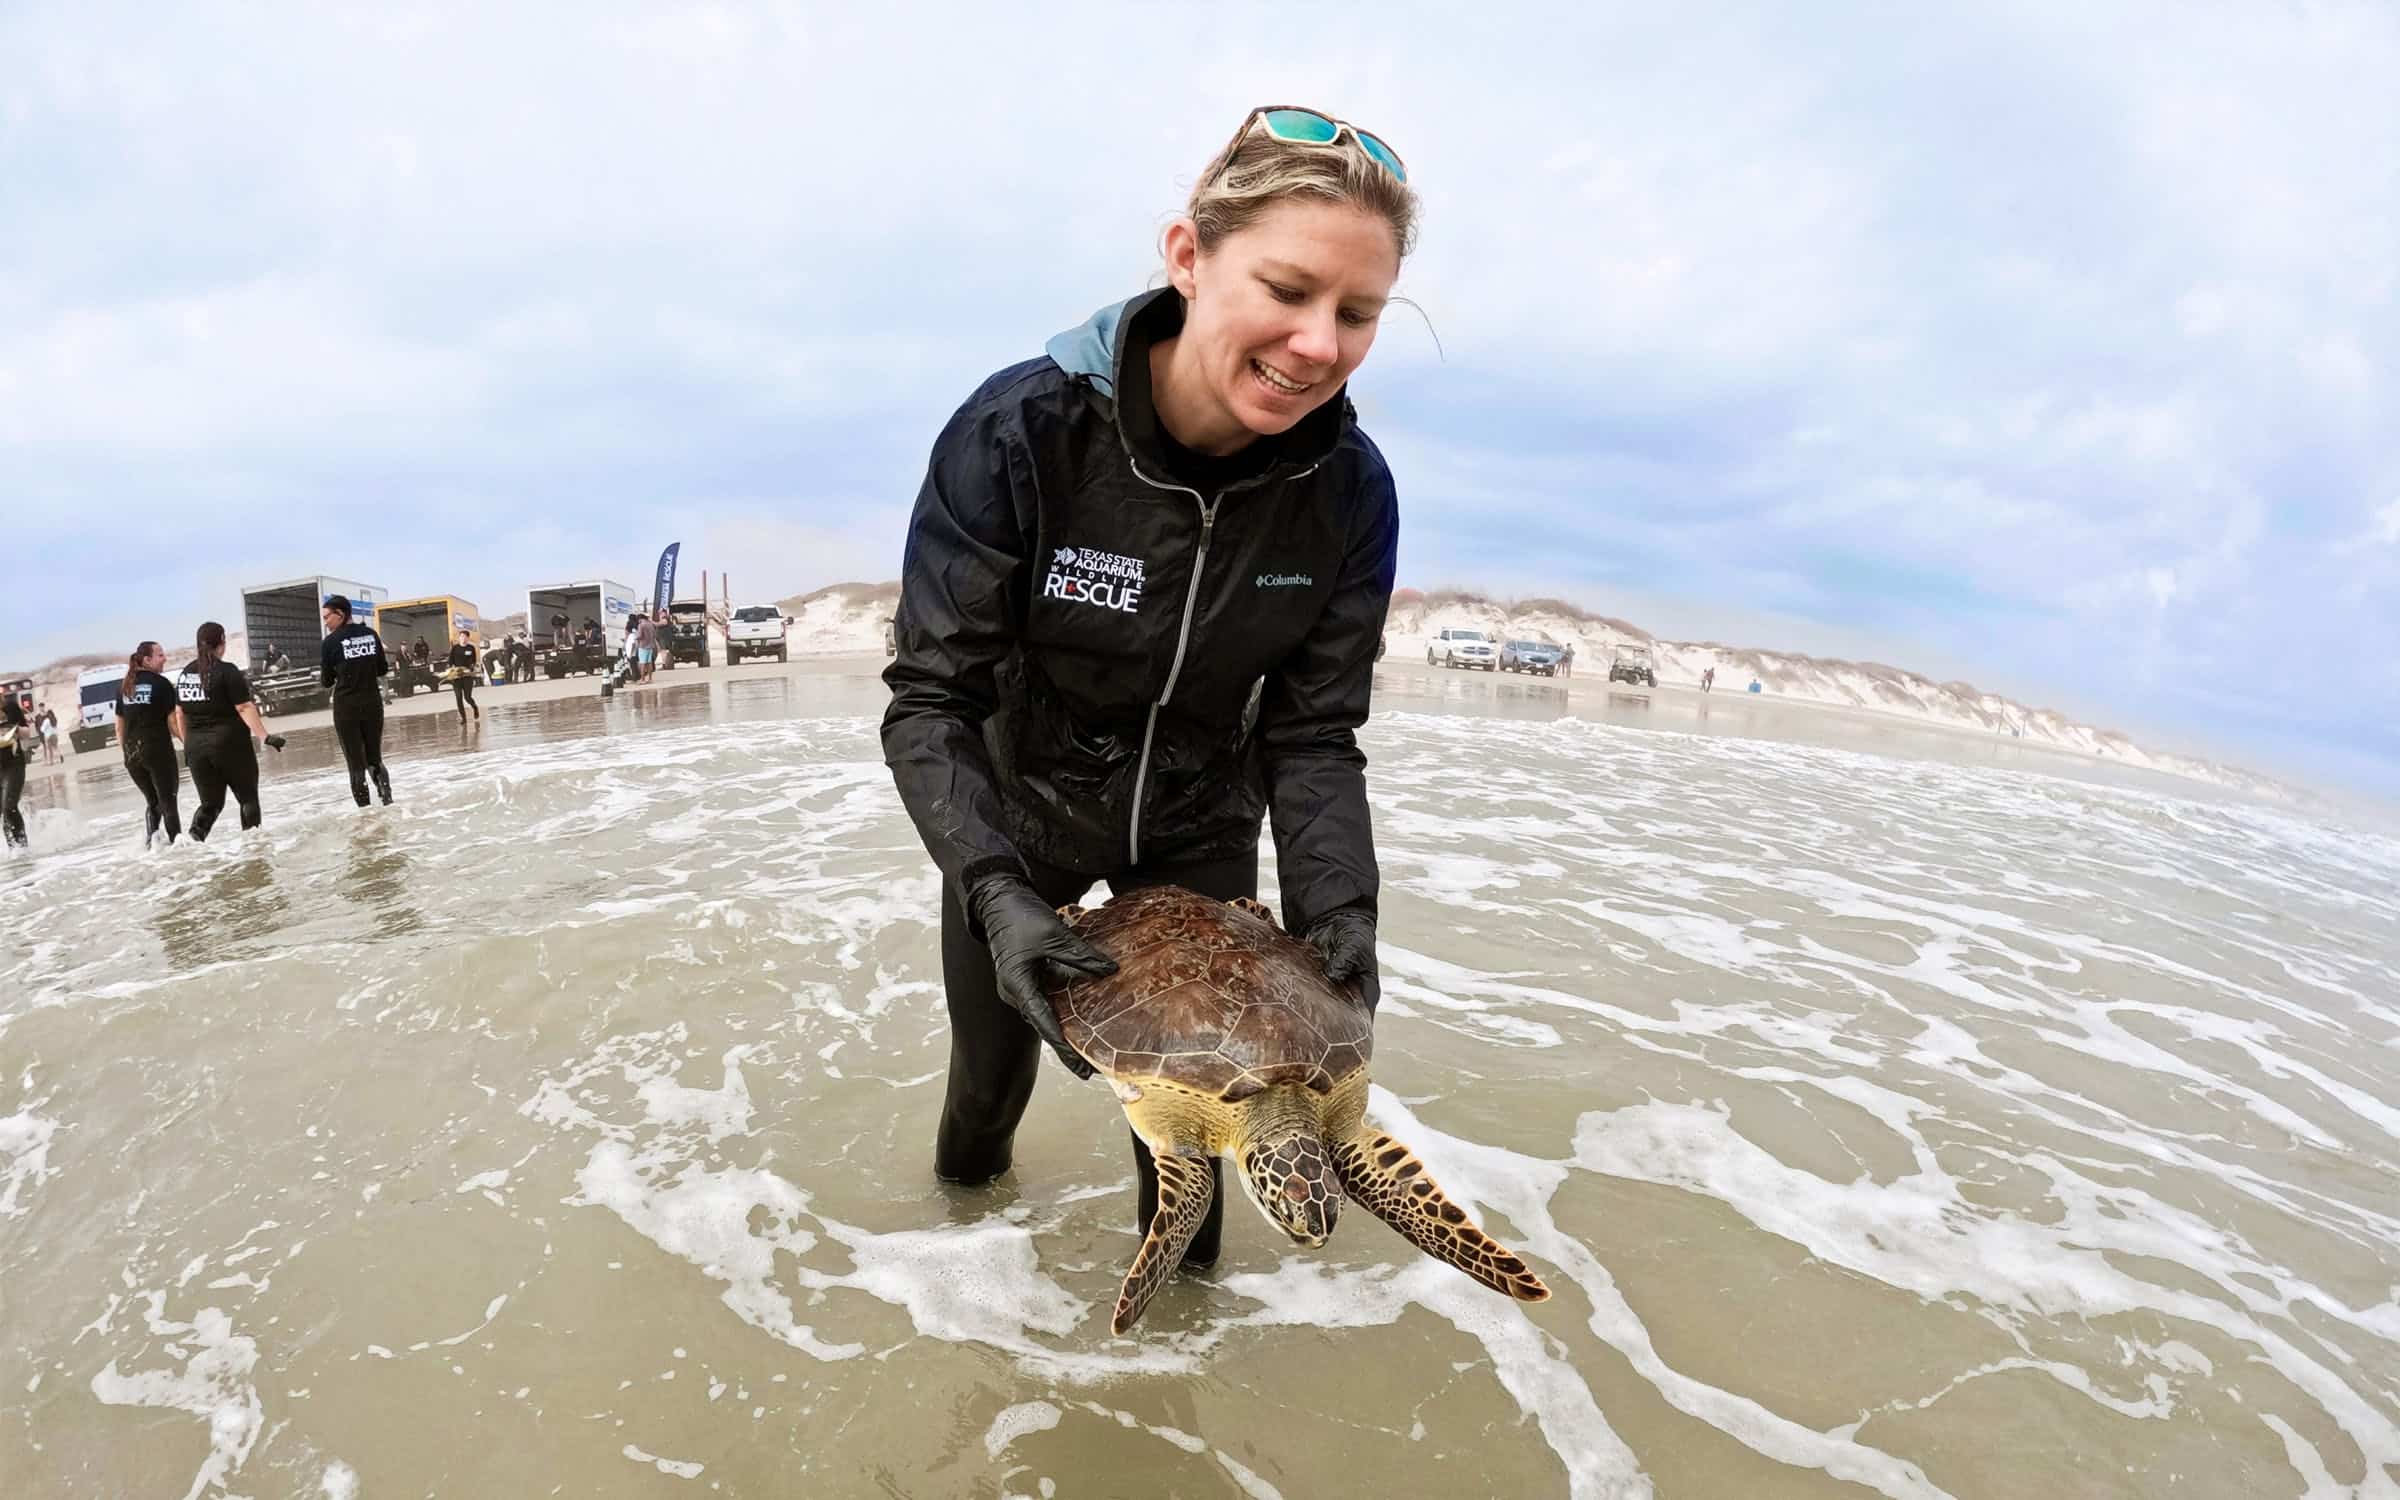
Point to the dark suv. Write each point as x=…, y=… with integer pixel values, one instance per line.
x=685, y=637
x=1531, y=656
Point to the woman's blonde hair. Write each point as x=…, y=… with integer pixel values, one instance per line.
x=1258, y=171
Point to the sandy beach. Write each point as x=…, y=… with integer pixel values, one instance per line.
x=1892, y=1112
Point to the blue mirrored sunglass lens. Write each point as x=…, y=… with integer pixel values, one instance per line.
x=1300, y=125
x=1382, y=153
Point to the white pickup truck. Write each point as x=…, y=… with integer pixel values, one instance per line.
x=757, y=630
x=1459, y=647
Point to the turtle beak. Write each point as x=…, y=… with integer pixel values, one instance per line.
x=1312, y=1222
x=1308, y=1211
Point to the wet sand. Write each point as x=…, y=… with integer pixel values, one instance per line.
x=1897, y=1123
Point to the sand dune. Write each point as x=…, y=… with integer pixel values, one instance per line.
x=850, y=617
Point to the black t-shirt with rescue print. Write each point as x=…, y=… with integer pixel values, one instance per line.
x=350, y=661
x=209, y=698
x=145, y=707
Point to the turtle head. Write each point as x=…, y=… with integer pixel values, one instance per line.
x=1290, y=1177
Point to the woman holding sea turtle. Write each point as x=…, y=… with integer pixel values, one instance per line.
x=1145, y=582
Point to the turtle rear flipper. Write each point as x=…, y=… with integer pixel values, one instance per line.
x=1393, y=1185
x=1185, y=1186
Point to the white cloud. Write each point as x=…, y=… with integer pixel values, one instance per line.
x=1904, y=321
x=2383, y=528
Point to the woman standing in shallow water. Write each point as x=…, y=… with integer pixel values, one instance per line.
x=1144, y=584
x=17, y=740
x=149, y=722
x=220, y=723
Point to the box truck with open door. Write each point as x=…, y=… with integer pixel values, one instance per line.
x=560, y=648
x=286, y=617
x=436, y=620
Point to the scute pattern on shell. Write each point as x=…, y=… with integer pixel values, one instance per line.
x=1211, y=997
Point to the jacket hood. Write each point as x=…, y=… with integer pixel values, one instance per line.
x=1095, y=351
x=1089, y=348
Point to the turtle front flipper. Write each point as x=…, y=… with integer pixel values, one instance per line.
x=1394, y=1186
x=1185, y=1186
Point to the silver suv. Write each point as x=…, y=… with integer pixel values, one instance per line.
x=1460, y=647
x=1532, y=656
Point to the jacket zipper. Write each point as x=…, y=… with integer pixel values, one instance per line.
x=1183, y=641
x=1183, y=635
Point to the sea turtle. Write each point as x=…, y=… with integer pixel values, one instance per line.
x=1222, y=1036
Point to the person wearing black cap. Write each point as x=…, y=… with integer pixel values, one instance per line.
x=220, y=719
x=352, y=663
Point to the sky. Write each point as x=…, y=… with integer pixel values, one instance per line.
x=2056, y=347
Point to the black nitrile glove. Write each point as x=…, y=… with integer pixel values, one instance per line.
x=274, y=742
x=1028, y=939
x=1345, y=939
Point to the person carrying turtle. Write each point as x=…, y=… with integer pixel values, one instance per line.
x=1143, y=587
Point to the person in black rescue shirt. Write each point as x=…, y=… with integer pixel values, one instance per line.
x=352, y=663
x=1143, y=586
x=220, y=720
x=463, y=667
x=148, y=725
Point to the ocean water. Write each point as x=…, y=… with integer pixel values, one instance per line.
x=1882, y=1127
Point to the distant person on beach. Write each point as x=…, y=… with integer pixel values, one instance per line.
x=1566, y=660
x=278, y=660
x=1071, y=692
x=1708, y=680
x=149, y=722
x=646, y=647
x=558, y=630
x=464, y=663
x=47, y=725
x=17, y=740
x=352, y=663
x=220, y=723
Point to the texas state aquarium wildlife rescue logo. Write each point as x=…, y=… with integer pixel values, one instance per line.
x=1106, y=580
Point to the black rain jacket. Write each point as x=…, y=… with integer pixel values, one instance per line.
x=1098, y=667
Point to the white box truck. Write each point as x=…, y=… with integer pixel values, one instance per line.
x=560, y=648
x=285, y=617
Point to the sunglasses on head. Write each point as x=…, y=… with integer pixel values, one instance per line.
x=1296, y=126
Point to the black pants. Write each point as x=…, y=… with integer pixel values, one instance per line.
x=463, y=690
x=222, y=760
x=995, y=1055
x=12, y=791
x=151, y=764
x=358, y=724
